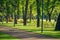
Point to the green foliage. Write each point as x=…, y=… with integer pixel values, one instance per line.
x=33, y=2
x=11, y=6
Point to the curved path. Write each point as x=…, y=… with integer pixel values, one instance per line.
x=24, y=35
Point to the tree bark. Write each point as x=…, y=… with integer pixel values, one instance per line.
x=25, y=14
x=57, y=28
x=23, y=11
x=18, y=16
x=7, y=12
x=38, y=13
x=15, y=13
x=30, y=12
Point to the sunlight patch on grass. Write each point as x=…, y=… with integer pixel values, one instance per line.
x=55, y=34
x=31, y=27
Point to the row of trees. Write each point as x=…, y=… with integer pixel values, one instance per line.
x=11, y=9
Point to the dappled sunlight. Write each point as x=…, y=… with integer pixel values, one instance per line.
x=29, y=19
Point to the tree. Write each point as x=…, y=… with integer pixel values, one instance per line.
x=2, y=9
x=49, y=12
x=31, y=6
x=57, y=28
x=18, y=9
x=38, y=12
x=25, y=13
x=23, y=9
x=7, y=11
x=30, y=12
x=15, y=13
x=48, y=1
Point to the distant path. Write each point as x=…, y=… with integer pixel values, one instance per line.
x=24, y=35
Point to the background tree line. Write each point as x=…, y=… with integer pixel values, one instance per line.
x=29, y=9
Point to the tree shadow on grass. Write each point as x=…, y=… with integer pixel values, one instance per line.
x=22, y=34
x=6, y=36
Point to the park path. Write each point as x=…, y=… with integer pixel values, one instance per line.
x=24, y=35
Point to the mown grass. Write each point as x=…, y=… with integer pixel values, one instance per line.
x=4, y=36
x=31, y=27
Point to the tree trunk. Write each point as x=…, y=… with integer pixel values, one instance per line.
x=2, y=10
x=30, y=13
x=38, y=13
x=25, y=14
x=57, y=28
x=48, y=1
x=7, y=18
x=7, y=12
x=52, y=7
x=18, y=16
x=46, y=18
x=0, y=18
x=15, y=19
x=15, y=13
x=49, y=16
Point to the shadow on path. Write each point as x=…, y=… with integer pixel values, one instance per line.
x=24, y=35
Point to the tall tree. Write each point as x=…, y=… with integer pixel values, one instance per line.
x=49, y=12
x=42, y=16
x=2, y=8
x=48, y=1
x=30, y=12
x=25, y=14
x=7, y=10
x=31, y=6
x=57, y=28
x=38, y=12
x=18, y=2
x=15, y=12
x=23, y=9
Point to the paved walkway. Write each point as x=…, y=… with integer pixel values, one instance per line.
x=24, y=35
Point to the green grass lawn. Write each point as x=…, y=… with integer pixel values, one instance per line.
x=4, y=36
x=55, y=34
x=31, y=27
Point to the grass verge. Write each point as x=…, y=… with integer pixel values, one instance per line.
x=4, y=36
x=49, y=31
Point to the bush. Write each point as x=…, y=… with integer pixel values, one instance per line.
x=20, y=20
x=11, y=20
